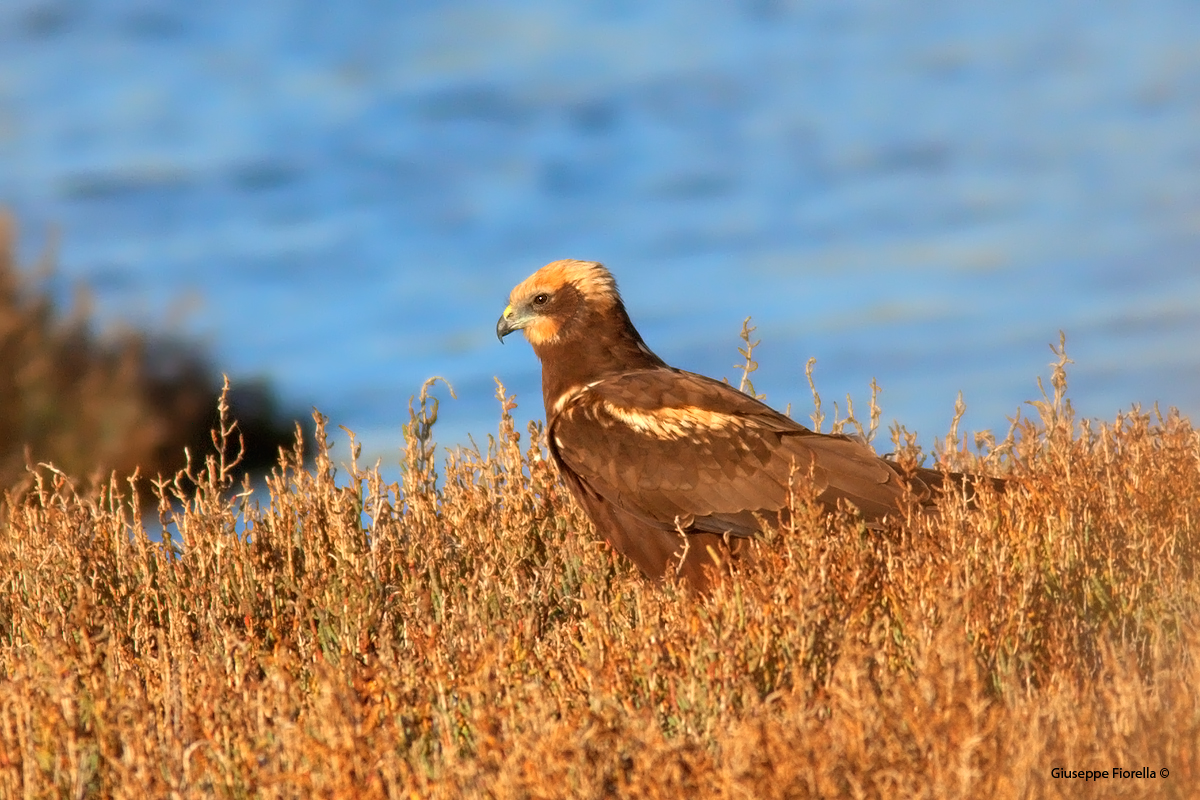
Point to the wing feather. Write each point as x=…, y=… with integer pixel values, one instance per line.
x=664, y=444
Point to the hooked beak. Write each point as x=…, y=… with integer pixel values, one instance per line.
x=509, y=321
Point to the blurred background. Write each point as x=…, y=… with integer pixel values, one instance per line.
x=337, y=197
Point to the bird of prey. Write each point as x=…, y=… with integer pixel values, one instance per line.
x=671, y=467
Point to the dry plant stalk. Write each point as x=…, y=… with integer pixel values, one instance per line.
x=468, y=636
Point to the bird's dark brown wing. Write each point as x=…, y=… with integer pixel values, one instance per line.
x=671, y=447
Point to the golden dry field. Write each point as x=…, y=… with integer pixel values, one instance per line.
x=467, y=635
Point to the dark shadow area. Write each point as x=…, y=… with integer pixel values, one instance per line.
x=96, y=404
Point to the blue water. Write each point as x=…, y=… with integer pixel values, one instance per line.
x=340, y=195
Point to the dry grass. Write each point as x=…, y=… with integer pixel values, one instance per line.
x=348, y=638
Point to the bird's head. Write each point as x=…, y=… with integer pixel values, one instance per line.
x=554, y=305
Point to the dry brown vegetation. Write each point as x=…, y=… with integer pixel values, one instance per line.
x=469, y=637
x=91, y=403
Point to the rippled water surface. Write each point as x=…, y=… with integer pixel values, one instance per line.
x=340, y=195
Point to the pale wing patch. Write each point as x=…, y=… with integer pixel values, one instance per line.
x=568, y=396
x=563, y=399
x=675, y=423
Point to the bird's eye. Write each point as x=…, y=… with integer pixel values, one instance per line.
x=540, y=299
